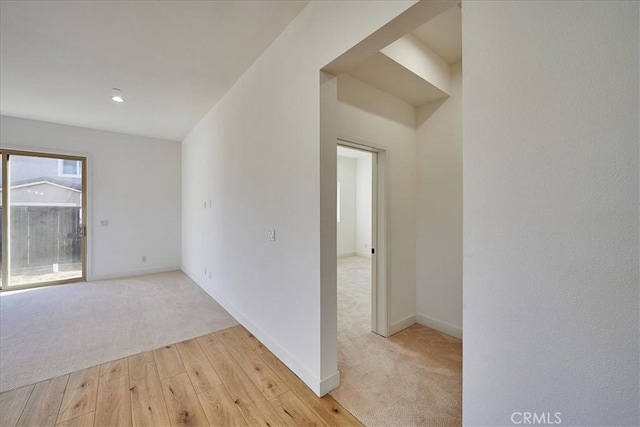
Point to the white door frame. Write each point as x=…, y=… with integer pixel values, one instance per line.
x=379, y=284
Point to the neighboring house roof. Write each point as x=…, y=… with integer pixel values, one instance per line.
x=61, y=182
x=45, y=193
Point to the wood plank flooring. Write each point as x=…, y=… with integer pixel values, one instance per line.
x=227, y=378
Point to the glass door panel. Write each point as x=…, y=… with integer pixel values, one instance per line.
x=45, y=223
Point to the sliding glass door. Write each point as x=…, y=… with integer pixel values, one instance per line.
x=43, y=219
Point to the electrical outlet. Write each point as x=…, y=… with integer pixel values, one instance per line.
x=272, y=235
x=144, y=258
x=104, y=223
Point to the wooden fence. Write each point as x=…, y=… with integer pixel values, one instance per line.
x=44, y=235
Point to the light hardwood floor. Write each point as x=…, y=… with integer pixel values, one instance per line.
x=227, y=378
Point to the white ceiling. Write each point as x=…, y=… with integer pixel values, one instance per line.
x=443, y=34
x=173, y=60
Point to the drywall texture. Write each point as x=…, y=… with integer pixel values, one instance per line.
x=346, y=228
x=551, y=181
x=133, y=182
x=360, y=119
x=439, y=212
x=256, y=157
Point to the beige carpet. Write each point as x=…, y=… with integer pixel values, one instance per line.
x=354, y=297
x=52, y=331
x=413, y=378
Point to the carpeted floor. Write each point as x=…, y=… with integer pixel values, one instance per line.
x=354, y=298
x=413, y=378
x=51, y=331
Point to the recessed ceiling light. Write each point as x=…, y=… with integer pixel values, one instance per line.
x=116, y=95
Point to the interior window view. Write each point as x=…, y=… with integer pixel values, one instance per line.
x=319, y=213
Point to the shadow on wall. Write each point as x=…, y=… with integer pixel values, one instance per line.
x=365, y=97
x=360, y=95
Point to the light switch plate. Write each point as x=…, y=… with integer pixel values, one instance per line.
x=272, y=235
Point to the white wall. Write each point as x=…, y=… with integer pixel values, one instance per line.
x=419, y=59
x=256, y=155
x=439, y=212
x=346, y=228
x=551, y=182
x=363, y=206
x=133, y=182
x=354, y=229
x=359, y=119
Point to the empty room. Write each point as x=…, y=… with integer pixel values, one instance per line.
x=383, y=213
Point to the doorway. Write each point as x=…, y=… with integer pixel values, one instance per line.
x=43, y=208
x=360, y=243
x=377, y=93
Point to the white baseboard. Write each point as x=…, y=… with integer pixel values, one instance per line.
x=328, y=384
x=319, y=387
x=350, y=254
x=402, y=324
x=347, y=255
x=439, y=325
x=134, y=273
